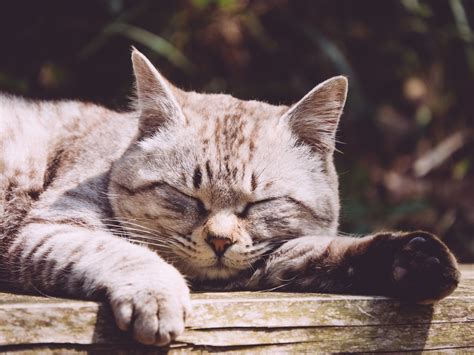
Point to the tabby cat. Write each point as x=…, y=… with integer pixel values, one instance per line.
x=190, y=190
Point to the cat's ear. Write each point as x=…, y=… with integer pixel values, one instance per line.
x=155, y=99
x=315, y=117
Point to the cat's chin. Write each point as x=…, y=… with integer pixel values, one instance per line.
x=218, y=272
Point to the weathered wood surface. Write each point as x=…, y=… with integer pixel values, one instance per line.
x=250, y=322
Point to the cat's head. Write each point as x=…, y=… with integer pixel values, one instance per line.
x=214, y=183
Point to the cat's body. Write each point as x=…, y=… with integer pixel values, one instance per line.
x=234, y=194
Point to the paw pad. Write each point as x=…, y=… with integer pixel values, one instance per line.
x=399, y=273
x=423, y=268
x=415, y=243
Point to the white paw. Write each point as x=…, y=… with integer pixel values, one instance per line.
x=154, y=308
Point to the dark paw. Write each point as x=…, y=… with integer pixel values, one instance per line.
x=423, y=268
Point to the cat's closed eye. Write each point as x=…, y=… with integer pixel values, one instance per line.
x=250, y=205
x=168, y=198
x=179, y=201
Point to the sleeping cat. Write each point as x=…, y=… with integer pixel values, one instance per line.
x=224, y=193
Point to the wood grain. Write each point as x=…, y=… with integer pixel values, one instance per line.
x=249, y=322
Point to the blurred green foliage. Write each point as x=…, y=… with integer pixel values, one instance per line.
x=406, y=135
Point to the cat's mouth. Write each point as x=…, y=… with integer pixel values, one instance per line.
x=220, y=264
x=219, y=270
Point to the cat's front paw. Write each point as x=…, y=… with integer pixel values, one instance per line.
x=423, y=269
x=153, y=308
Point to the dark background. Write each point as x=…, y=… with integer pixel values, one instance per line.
x=406, y=135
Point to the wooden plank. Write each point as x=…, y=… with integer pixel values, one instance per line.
x=467, y=271
x=296, y=313
x=77, y=322
x=398, y=338
x=347, y=339
x=256, y=320
x=304, y=348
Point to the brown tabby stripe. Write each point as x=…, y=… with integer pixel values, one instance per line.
x=64, y=278
x=197, y=177
x=253, y=182
x=53, y=166
x=26, y=263
x=47, y=280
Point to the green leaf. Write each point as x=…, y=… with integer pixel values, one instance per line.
x=153, y=41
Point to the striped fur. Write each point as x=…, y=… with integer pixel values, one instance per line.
x=96, y=203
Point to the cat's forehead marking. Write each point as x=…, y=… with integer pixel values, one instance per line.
x=253, y=181
x=230, y=136
x=209, y=172
x=227, y=123
x=197, y=177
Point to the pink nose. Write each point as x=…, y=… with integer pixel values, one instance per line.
x=218, y=243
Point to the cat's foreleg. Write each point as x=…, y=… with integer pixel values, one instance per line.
x=147, y=295
x=414, y=266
